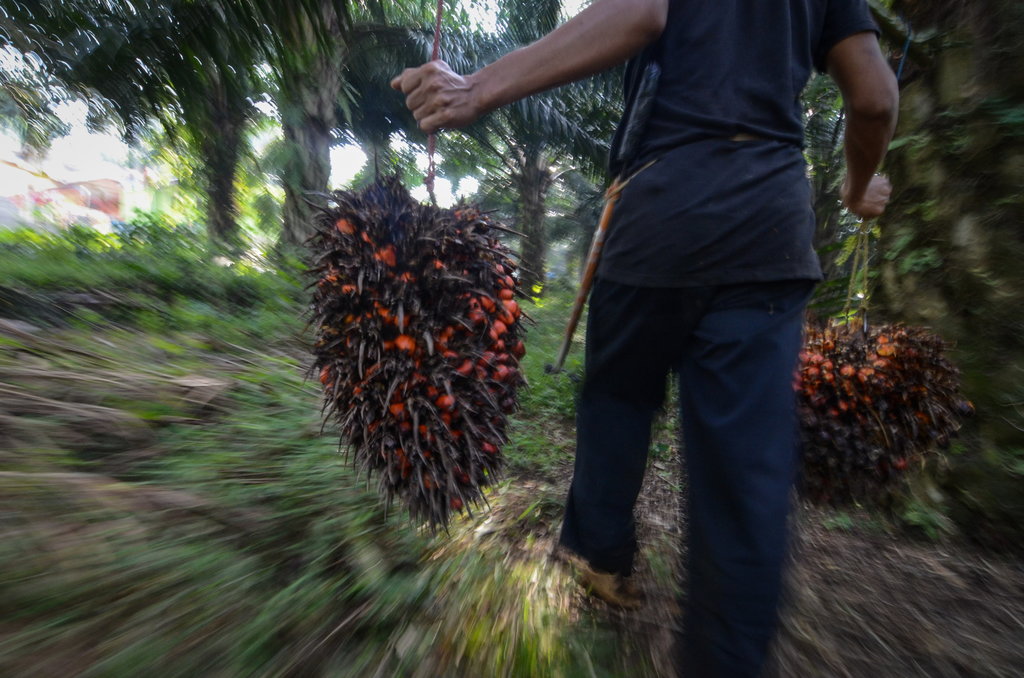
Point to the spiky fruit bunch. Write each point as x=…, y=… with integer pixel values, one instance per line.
x=418, y=343
x=871, y=406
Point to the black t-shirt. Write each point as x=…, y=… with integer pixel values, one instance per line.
x=712, y=210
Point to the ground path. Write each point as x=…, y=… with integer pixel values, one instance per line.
x=862, y=603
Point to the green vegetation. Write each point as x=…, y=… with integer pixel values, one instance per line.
x=168, y=502
x=170, y=505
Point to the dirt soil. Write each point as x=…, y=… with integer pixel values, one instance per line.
x=860, y=604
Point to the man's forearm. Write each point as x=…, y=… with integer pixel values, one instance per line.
x=605, y=34
x=866, y=142
x=871, y=97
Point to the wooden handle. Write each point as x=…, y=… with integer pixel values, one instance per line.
x=593, y=257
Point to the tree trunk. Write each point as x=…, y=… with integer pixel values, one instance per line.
x=220, y=147
x=952, y=241
x=308, y=171
x=221, y=213
x=310, y=88
x=533, y=183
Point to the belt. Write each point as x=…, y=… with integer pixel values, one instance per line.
x=746, y=137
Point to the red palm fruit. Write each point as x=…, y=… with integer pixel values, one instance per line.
x=498, y=329
x=416, y=388
x=519, y=350
x=386, y=255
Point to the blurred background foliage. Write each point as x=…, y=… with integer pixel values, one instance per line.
x=154, y=423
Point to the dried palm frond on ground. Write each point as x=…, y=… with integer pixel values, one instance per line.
x=418, y=343
x=865, y=604
x=872, y=405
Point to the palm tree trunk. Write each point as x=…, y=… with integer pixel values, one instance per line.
x=951, y=237
x=220, y=147
x=533, y=183
x=308, y=170
x=310, y=89
x=221, y=212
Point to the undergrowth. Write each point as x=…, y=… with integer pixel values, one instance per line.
x=169, y=505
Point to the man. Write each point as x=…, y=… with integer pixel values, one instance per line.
x=706, y=271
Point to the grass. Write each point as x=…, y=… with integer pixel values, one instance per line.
x=154, y=524
x=168, y=506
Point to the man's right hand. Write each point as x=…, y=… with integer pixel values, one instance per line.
x=438, y=97
x=872, y=203
x=605, y=34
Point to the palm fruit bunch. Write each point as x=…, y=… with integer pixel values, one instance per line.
x=872, y=405
x=418, y=341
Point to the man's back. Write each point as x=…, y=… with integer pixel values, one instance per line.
x=729, y=201
x=738, y=66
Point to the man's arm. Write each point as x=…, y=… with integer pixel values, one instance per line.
x=603, y=35
x=871, y=95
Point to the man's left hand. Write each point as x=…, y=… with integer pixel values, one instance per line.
x=438, y=97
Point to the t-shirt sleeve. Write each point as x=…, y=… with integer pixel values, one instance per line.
x=843, y=18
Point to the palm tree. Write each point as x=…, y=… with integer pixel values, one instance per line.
x=332, y=61
x=529, y=145
x=198, y=66
x=28, y=98
x=182, y=63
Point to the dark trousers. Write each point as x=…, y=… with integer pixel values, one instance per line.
x=734, y=349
